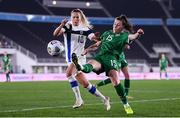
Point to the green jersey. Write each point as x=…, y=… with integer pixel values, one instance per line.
x=163, y=63
x=6, y=63
x=113, y=43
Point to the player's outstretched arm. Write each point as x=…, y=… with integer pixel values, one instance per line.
x=136, y=35
x=96, y=37
x=57, y=31
x=91, y=48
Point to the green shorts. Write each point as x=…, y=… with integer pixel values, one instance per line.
x=7, y=68
x=163, y=68
x=122, y=63
x=108, y=61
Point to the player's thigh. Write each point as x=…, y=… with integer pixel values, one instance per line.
x=96, y=64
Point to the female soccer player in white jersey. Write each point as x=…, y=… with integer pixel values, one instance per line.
x=75, y=32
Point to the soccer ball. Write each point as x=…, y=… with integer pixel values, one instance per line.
x=55, y=47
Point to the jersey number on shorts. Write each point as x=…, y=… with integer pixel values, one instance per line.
x=113, y=63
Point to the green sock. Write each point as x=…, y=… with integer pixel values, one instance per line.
x=104, y=82
x=87, y=68
x=120, y=91
x=160, y=75
x=7, y=76
x=166, y=75
x=127, y=86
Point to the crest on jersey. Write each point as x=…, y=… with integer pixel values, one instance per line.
x=109, y=38
x=81, y=32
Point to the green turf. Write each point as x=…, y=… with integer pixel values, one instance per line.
x=45, y=99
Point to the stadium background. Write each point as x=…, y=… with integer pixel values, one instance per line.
x=26, y=27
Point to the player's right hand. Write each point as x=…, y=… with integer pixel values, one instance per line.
x=64, y=21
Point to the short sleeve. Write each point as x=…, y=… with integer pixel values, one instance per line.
x=103, y=35
x=90, y=36
x=63, y=29
x=66, y=27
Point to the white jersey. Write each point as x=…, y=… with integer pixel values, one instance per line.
x=74, y=40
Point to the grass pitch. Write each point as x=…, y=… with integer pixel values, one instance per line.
x=151, y=98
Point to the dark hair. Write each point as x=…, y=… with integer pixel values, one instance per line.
x=127, y=25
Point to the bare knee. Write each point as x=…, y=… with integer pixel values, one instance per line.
x=68, y=74
x=115, y=82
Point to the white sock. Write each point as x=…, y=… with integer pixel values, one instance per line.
x=93, y=90
x=75, y=87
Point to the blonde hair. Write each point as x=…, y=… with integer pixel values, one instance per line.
x=84, y=20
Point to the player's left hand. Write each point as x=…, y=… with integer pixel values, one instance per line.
x=84, y=52
x=97, y=35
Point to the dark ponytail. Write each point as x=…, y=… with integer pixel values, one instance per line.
x=127, y=25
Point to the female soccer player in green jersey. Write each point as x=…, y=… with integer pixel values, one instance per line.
x=6, y=66
x=163, y=64
x=112, y=45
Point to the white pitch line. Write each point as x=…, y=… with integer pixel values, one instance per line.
x=68, y=106
x=155, y=100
